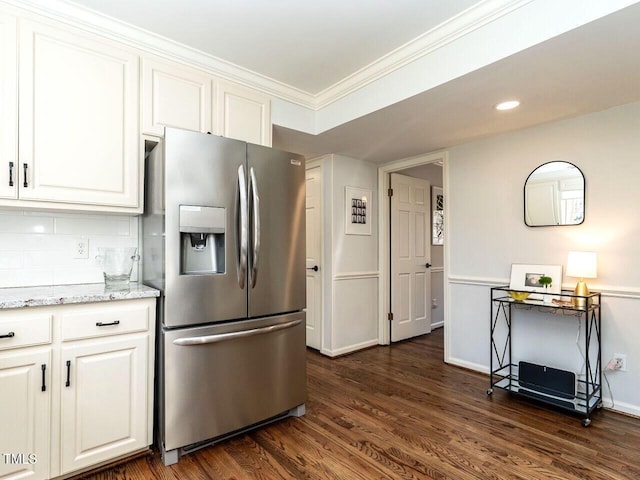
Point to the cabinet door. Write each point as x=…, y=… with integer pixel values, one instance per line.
x=8, y=112
x=79, y=127
x=104, y=406
x=243, y=114
x=174, y=96
x=24, y=414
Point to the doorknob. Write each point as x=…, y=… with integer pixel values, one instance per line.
x=314, y=268
x=428, y=265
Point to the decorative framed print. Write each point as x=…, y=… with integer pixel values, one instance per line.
x=357, y=211
x=437, y=217
x=525, y=277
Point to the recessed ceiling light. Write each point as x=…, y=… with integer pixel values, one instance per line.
x=508, y=105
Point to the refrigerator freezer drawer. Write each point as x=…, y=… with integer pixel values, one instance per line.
x=221, y=378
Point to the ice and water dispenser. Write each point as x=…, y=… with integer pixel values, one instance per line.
x=202, y=240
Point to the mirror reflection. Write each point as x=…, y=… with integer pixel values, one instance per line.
x=554, y=195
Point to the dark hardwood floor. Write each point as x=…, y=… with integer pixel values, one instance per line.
x=400, y=412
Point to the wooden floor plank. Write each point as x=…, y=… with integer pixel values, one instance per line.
x=400, y=412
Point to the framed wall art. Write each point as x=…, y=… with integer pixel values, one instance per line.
x=357, y=211
x=437, y=217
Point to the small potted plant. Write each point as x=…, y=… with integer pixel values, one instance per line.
x=545, y=282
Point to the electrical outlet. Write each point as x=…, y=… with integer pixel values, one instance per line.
x=80, y=248
x=620, y=362
x=434, y=303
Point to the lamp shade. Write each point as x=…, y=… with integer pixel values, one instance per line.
x=582, y=265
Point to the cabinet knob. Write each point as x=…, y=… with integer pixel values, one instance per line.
x=428, y=265
x=315, y=268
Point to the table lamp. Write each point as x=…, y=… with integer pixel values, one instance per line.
x=582, y=265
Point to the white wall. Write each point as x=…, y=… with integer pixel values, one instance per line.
x=488, y=234
x=350, y=266
x=36, y=248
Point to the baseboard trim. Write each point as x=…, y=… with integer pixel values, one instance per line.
x=476, y=367
x=437, y=325
x=620, y=407
x=350, y=348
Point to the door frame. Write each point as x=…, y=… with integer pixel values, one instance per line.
x=384, y=256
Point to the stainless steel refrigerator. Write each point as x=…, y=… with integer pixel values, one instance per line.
x=224, y=241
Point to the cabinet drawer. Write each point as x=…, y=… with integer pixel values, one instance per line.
x=103, y=321
x=19, y=330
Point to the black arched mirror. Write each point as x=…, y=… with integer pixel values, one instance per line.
x=554, y=195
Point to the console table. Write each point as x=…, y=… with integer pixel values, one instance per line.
x=504, y=372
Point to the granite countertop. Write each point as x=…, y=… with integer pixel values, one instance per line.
x=63, y=294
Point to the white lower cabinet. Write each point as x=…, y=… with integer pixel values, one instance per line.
x=76, y=386
x=103, y=409
x=25, y=398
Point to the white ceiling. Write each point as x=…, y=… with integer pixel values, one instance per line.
x=588, y=69
x=311, y=45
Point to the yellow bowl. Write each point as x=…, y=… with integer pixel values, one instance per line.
x=519, y=296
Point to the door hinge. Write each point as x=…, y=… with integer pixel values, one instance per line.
x=389, y=316
x=390, y=192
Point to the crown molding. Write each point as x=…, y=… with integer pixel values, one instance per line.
x=149, y=42
x=445, y=33
x=465, y=22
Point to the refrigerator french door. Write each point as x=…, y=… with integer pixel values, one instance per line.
x=224, y=241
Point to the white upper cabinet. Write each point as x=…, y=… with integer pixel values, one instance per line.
x=79, y=110
x=174, y=96
x=8, y=112
x=74, y=106
x=243, y=114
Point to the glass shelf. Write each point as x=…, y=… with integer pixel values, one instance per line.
x=581, y=403
x=559, y=301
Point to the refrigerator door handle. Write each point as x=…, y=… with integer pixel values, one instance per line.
x=241, y=228
x=222, y=337
x=255, y=212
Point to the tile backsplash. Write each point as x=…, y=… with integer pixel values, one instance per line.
x=38, y=248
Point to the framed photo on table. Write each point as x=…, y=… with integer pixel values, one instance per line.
x=525, y=277
x=357, y=211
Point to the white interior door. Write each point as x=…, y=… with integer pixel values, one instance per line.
x=410, y=257
x=314, y=279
